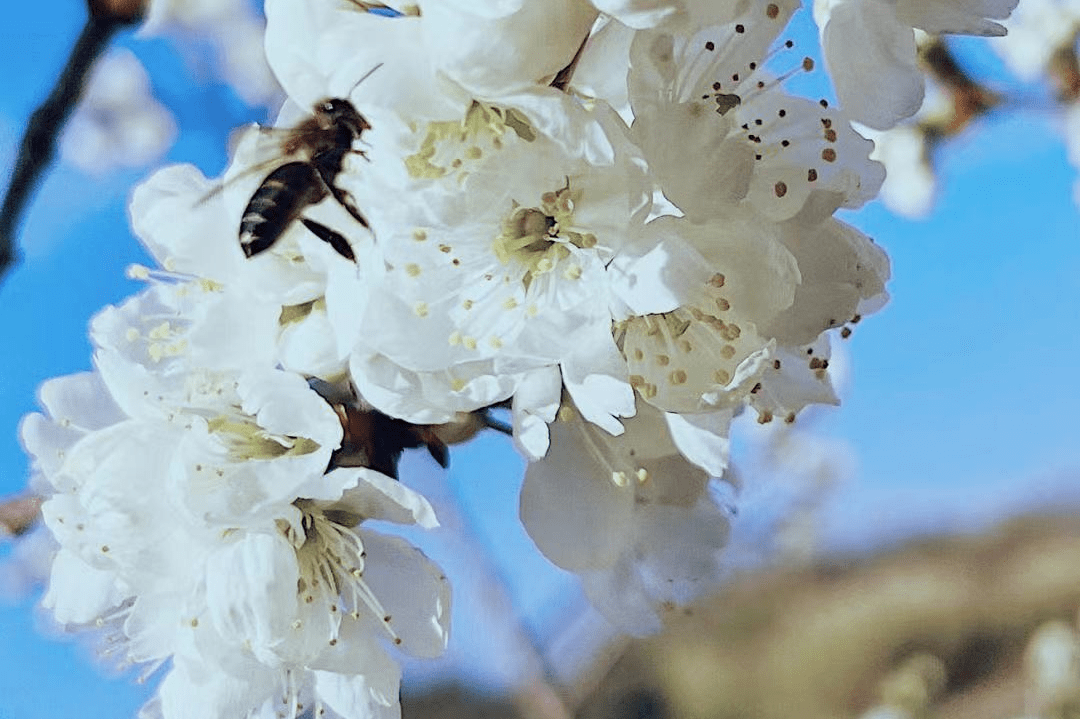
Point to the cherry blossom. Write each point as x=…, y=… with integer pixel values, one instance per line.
x=609, y=217
x=879, y=81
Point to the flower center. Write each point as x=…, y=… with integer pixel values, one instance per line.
x=245, y=440
x=331, y=560
x=453, y=147
x=538, y=238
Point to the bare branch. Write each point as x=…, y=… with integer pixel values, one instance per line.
x=1064, y=69
x=970, y=100
x=38, y=145
x=495, y=424
x=124, y=11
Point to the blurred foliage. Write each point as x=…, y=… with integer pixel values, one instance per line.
x=946, y=628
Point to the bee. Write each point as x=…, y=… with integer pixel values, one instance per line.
x=320, y=145
x=373, y=439
x=376, y=440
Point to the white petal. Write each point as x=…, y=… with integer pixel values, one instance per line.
x=234, y=330
x=79, y=593
x=871, y=57
x=596, y=73
x=198, y=245
x=595, y=375
x=284, y=404
x=431, y=397
x=79, y=400
x=369, y=694
x=471, y=43
x=48, y=443
x=617, y=594
x=681, y=549
x=969, y=17
x=377, y=496
x=251, y=591
x=535, y=404
x=703, y=438
x=798, y=377
x=577, y=516
x=654, y=282
x=840, y=267
x=413, y=590
x=638, y=14
x=196, y=689
x=153, y=623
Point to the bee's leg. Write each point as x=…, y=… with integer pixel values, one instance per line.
x=328, y=165
x=349, y=204
x=435, y=446
x=330, y=237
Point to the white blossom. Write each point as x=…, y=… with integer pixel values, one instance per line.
x=629, y=513
x=607, y=216
x=1038, y=29
x=869, y=46
x=245, y=554
x=499, y=267
x=719, y=130
x=234, y=34
x=118, y=122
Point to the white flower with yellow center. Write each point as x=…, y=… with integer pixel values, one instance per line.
x=212, y=533
x=727, y=278
x=304, y=609
x=499, y=263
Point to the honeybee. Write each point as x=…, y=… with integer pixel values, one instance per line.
x=376, y=440
x=320, y=143
x=373, y=439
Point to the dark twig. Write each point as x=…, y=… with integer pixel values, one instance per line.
x=970, y=99
x=1064, y=69
x=495, y=424
x=39, y=143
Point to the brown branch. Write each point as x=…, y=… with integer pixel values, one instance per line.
x=18, y=515
x=38, y=145
x=1064, y=69
x=970, y=100
x=490, y=422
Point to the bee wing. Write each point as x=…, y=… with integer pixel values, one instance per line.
x=290, y=142
x=266, y=167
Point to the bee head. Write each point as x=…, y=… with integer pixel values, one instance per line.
x=337, y=112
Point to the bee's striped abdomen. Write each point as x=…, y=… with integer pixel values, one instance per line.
x=280, y=199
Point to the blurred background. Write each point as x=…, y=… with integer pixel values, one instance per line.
x=913, y=553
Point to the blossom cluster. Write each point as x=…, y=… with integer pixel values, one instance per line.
x=609, y=218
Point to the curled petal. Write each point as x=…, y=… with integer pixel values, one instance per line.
x=970, y=17
x=872, y=59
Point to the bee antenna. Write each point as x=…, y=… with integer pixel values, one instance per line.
x=367, y=74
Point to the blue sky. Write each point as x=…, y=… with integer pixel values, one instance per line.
x=960, y=405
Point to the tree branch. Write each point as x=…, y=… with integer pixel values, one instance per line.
x=969, y=98
x=43, y=128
